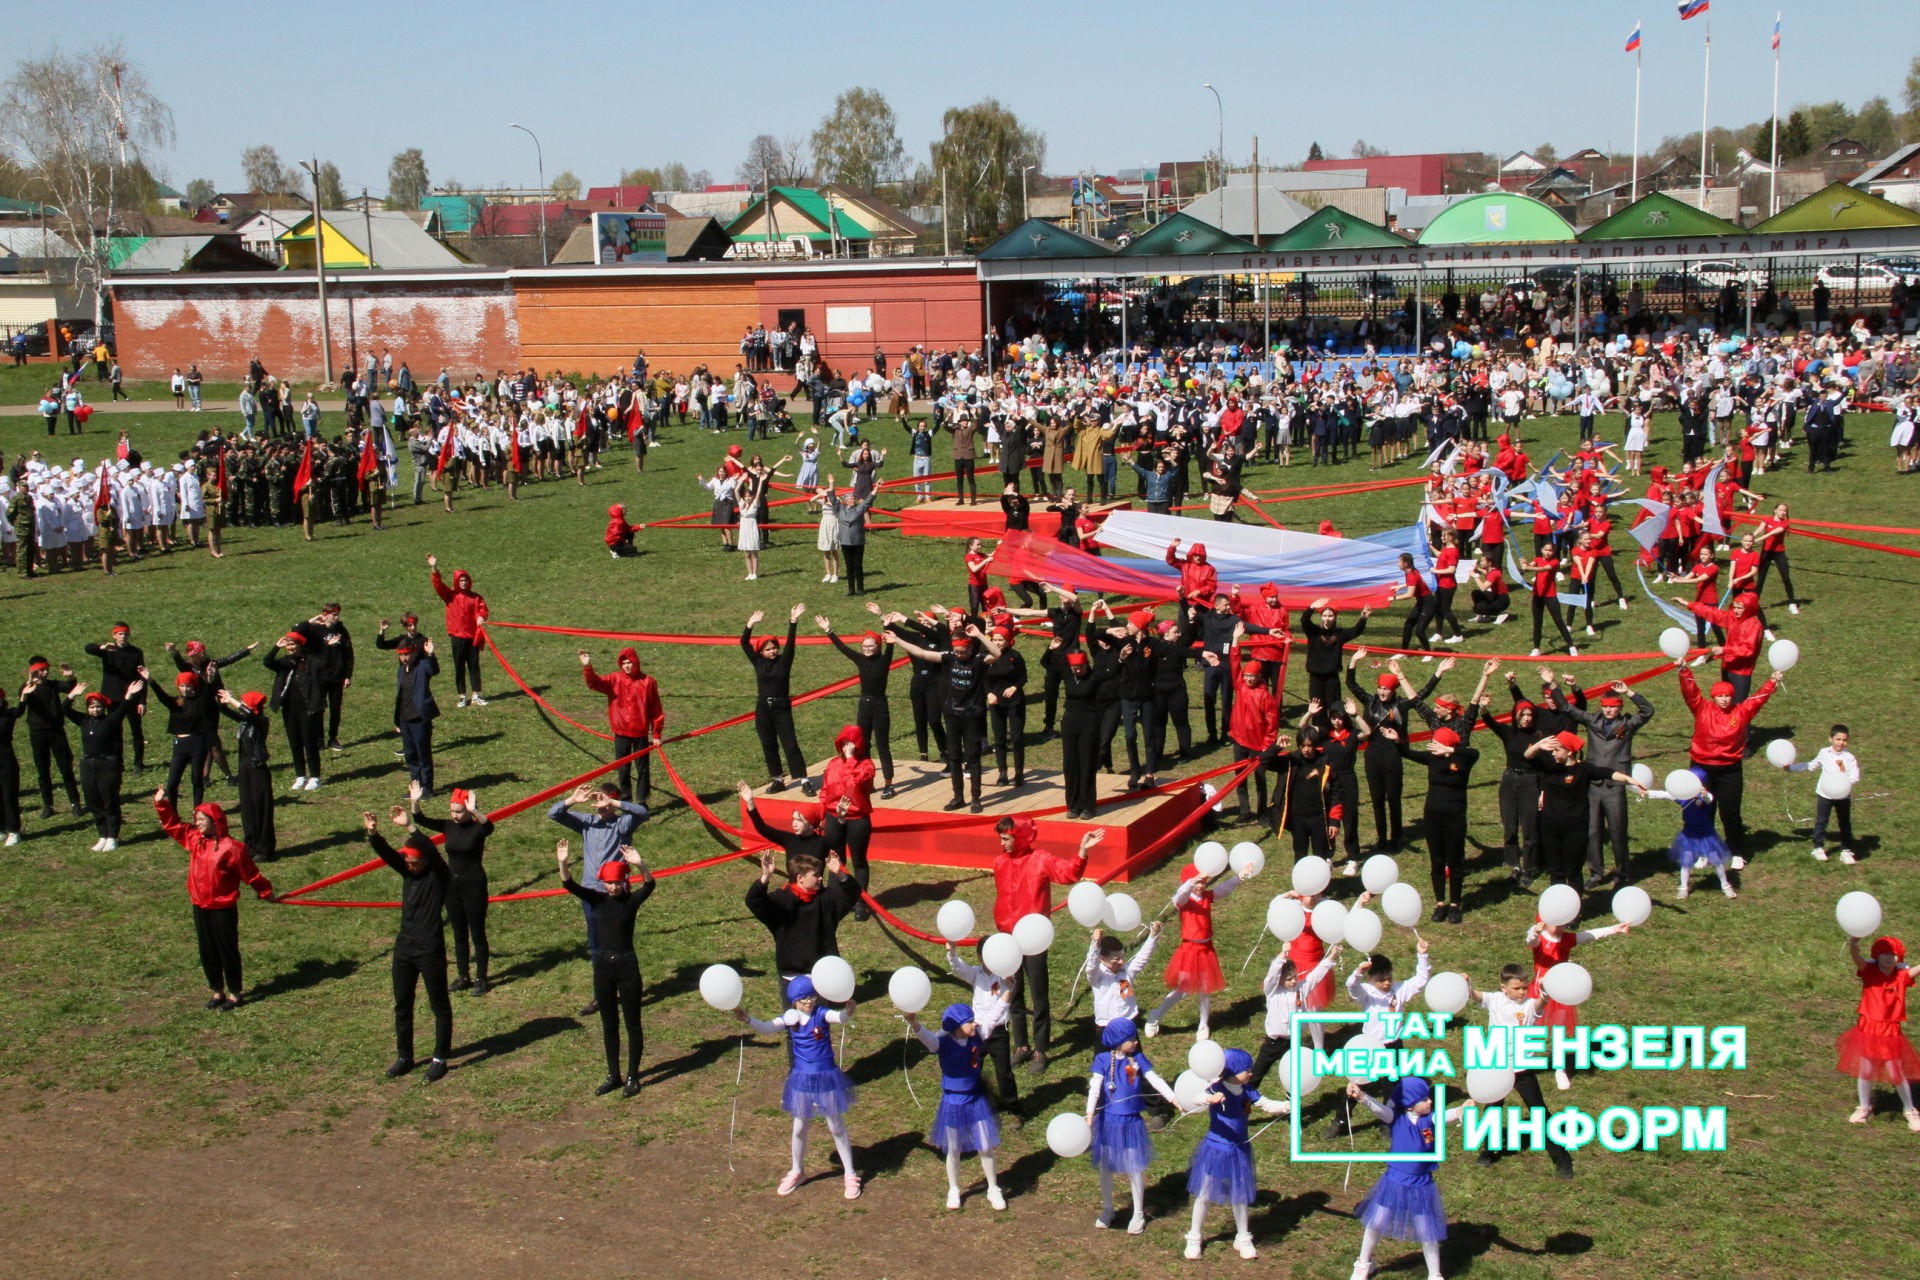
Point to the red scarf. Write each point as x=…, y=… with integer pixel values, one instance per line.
x=803, y=895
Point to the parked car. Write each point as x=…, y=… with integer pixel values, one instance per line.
x=1387, y=288
x=1306, y=290
x=1869, y=276
x=1904, y=265
x=1719, y=274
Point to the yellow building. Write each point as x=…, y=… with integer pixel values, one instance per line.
x=351, y=240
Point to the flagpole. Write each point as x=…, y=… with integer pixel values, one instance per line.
x=1706, y=80
x=1636, y=117
x=1773, y=177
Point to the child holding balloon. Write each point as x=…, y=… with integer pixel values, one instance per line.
x=1839, y=771
x=1507, y=1008
x=1698, y=845
x=1195, y=967
x=992, y=1005
x=1553, y=944
x=1288, y=993
x=964, y=1121
x=1404, y=1204
x=1222, y=1168
x=1110, y=975
x=1116, y=1096
x=1875, y=1048
x=816, y=1086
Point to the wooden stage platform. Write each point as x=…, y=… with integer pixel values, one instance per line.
x=946, y=518
x=913, y=827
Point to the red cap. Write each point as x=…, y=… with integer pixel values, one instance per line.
x=1568, y=741
x=294, y=636
x=253, y=701
x=1141, y=618
x=613, y=871
x=195, y=649
x=1076, y=659
x=100, y=698
x=1388, y=680
x=186, y=680
x=1446, y=737
x=1524, y=705
x=873, y=636
x=1889, y=946
x=462, y=797
x=1721, y=689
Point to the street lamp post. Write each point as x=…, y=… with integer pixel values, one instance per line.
x=1026, y=208
x=540, y=159
x=1220, y=154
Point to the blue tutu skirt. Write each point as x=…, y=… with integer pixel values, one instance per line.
x=1222, y=1172
x=817, y=1093
x=1686, y=850
x=964, y=1122
x=1404, y=1210
x=1121, y=1143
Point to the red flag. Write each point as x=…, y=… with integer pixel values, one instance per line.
x=369, y=459
x=220, y=473
x=102, y=499
x=446, y=451
x=636, y=419
x=513, y=438
x=580, y=423
x=303, y=476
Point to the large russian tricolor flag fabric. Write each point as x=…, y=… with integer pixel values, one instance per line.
x=1692, y=8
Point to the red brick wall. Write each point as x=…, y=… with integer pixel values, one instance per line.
x=595, y=323
x=931, y=308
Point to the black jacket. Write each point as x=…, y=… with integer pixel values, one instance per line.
x=417, y=682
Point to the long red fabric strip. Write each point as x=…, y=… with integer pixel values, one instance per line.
x=651, y=637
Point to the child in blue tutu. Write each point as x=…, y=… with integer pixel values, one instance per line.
x=816, y=1086
x=1116, y=1093
x=964, y=1121
x=1222, y=1168
x=1404, y=1204
x=1698, y=846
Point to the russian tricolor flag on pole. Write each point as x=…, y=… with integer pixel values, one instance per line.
x=1692, y=8
x=1633, y=41
x=1776, y=33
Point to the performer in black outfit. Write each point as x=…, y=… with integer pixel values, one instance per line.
x=1019, y=514
x=1066, y=621
x=191, y=717
x=773, y=700
x=120, y=663
x=465, y=831
x=298, y=698
x=100, y=750
x=1176, y=649
x=256, y=778
x=331, y=647
x=420, y=948
x=10, y=815
x=1303, y=794
x=923, y=689
x=616, y=972
x=1080, y=687
x=804, y=918
x=1325, y=640
x=1383, y=709
x=1449, y=764
x=964, y=704
x=1519, y=792
x=873, y=660
x=1007, y=707
x=210, y=670
x=1564, y=781
x=44, y=699
x=414, y=711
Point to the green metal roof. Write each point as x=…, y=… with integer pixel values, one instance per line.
x=1840, y=208
x=1658, y=214
x=1038, y=238
x=1497, y=217
x=1183, y=234
x=120, y=248
x=9, y=205
x=1334, y=228
x=813, y=205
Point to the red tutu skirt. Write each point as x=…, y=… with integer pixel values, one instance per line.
x=1875, y=1049
x=1195, y=969
x=1555, y=1014
x=1320, y=995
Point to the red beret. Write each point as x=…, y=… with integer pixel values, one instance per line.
x=1446, y=737
x=1569, y=741
x=613, y=871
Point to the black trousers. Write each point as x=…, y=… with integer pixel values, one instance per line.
x=1527, y=1085
x=217, y=929
x=1486, y=604
x=965, y=485
x=1543, y=606
x=416, y=748
x=100, y=783
x=466, y=663
x=1825, y=809
x=1080, y=760
x=1032, y=997
x=854, y=560
x=1728, y=784
x=850, y=836
x=467, y=913
x=998, y=1047
x=1384, y=780
x=1348, y=791
x=1010, y=733
x=773, y=721
x=1272, y=1049
x=1413, y=633
x=1768, y=559
x=303, y=739
x=190, y=755
x=1444, y=621
x=966, y=740
x=336, y=692
x=1051, y=690
x=9, y=794
x=428, y=970
x=50, y=748
x=256, y=811
x=1136, y=717
x=626, y=746
x=923, y=694
x=1604, y=564
x=1169, y=707
x=1217, y=682
x=1324, y=687
x=1257, y=783
x=1446, y=852
x=875, y=719
x=617, y=990
x=1563, y=847
x=1520, y=820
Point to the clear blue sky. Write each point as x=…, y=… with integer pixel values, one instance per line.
x=1113, y=85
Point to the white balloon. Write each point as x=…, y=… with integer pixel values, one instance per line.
x=1488, y=1085
x=1311, y=874
x=1069, y=1135
x=1782, y=655
x=1568, y=983
x=1362, y=929
x=1448, y=992
x=1401, y=903
x=1684, y=784
x=1190, y=1091
x=1858, y=913
x=1674, y=642
x=1309, y=1078
x=720, y=987
x=955, y=921
x=1123, y=913
x=1247, y=859
x=1781, y=752
x=1087, y=904
x=1379, y=871
x=1000, y=955
x=1643, y=774
x=1330, y=922
x=833, y=979
x=1207, y=1059
x=1632, y=905
x=1210, y=859
x=1371, y=1044
x=909, y=989
x=1559, y=904
x=1034, y=933
x=1286, y=917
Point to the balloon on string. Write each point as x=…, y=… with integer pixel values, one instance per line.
x=1379, y=871
x=1330, y=922
x=1782, y=655
x=1034, y=933
x=1362, y=929
x=1087, y=904
x=1632, y=906
x=1448, y=992
x=833, y=979
x=1858, y=913
x=1371, y=1045
x=1001, y=956
x=1684, y=784
x=1674, y=642
x=1247, y=859
x=1400, y=902
x=1309, y=1078
x=1559, y=904
x=909, y=989
x=1567, y=983
x=1311, y=875
x=1643, y=774
x=1069, y=1135
x=720, y=987
x=1210, y=859
x=1488, y=1085
x=1286, y=917
x=1207, y=1059
x=1781, y=753
x=1190, y=1091
x=1123, y=913
x=955, y=921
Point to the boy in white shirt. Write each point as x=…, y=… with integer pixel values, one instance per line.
x=1285, y=990
x=1511, y=1007
x=1111, y=975
x=1839, y=773
x=1371, y=986
x=992, y=1003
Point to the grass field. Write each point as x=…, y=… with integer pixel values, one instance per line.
x=153, y=1138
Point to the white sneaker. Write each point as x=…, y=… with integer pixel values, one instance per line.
x=477, y=701
x=1153, y=1029
x=995, y=1198
x=1819, y=854
x=1136, y=1224
x=1846, y=855
x=1192, y=1252
x=13, y=838
x=1533, y=653
x=1728, y=890
x=1739, y=863
x=1622, y=604
x=1560, y=1080
x=953, y=1197
x=1104, y=1221
x=1434, y=638
x=834, y=578
x=1573, y=651
x=111, y=846
x=98, y=846
x=462, y=702
x=1202, y=1032
x=1592, y=632
x=1794, y=609
x=299, y=784
x=1361, y=1270
x=1244, y=1244
x=752, y=577
x=1350, y=867
x=826, y=577
x=313, y=784
x=1427, y=658
x=1769, y=634
x=1455, y=639
x=1681, y=895
x=1502, y=618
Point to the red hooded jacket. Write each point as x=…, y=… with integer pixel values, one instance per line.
x=849, y=780
x=633, y=702
x=1199, y=581
x=1262, y=612
x=1020, y=878
x=1719, y=737
x=216, y=865
x=466, y=608
x=1256, y=713
x=1742, y=649
x=618, y=530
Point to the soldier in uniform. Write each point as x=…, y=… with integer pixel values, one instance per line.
x=277, y=476
x=340, y=482
x=20, y=514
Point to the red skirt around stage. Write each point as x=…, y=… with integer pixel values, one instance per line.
x=1195, y=969
x=1876, y=1049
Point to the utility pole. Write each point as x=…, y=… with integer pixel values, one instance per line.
x=320, y=269
x=946, y=217
x=540, y=161
x=366, y=211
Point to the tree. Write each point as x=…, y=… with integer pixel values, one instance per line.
x=773, y=162
x=1760, y=141
x=565, y=186
x=200, y=193
x=1547, y=154
x=1315, y=153
x=333, y=195
x=1874, y=125
x=1825, y=122
x=856, y=142
x=1796, y=139
x=1910, y=98
x=81, y=122
x=266, y=175
x=981, y=150
x=1361, y=150
x=407, y=180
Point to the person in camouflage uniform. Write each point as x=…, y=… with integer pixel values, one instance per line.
x=107, y=522
x=216, y=505
x=277, y=474
x=341, y=464
x=20, y=515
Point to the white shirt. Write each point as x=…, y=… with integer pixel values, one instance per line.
x=992, y=997
x=1284, y=1001
x=1502, y=1012
x=1374, y=1002
x=1113, y=993
x=1839, y=772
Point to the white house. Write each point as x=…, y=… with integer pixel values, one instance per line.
x=261, y=232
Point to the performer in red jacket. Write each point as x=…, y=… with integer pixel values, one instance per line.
x=1720, y=724
x=466, y=610
x=1022, y=877
x=846, y=797
x=1741, y=625
x=1199, y=581
x=619, y=538
x=634, y=715
x=1256, y=719
x=216, y=864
